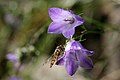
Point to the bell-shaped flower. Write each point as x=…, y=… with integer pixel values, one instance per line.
x=12, y=57
x=64, y=21
x=75, y=55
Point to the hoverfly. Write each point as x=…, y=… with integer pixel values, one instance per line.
x=59, y=51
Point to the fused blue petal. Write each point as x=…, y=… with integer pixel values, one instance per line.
x=68, y=46
x=79, y=20
x=71, y=62
x=87, y=52
x=84, y=61
x=58, y=14
x=71, y=66
x=75, y=45
x=69, y=33
x=54, y=13
x=56, y=27
x=60, y=61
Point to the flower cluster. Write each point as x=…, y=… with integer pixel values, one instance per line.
x=75, y=55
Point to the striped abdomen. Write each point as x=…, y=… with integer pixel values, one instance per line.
x=59, y=51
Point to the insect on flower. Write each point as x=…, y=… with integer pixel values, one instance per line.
x=59, y=51
x=75, y=55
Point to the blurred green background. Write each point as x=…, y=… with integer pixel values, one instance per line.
x=23, y=30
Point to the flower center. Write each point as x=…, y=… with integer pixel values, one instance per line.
x=71, y=20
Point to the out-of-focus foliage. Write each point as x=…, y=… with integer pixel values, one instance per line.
x=23, y=31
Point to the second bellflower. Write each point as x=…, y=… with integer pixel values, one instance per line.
x=64, y=21
x=75, y=55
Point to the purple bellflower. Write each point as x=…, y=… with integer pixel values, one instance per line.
x=12, y=57
x=75, y=55
x=64, y=21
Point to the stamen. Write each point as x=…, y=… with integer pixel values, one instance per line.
x=71, y=20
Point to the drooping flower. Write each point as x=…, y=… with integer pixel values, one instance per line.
x=75, y=55
x=64, y=21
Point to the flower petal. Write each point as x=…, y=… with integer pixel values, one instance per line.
x=68, y=46
x=54, y=13
x=60, y=61
x=76, y=45
x=58, y=14
x=72, y=44
x=84, y=60
x=89, y=53
x=71, y=11
x=71, y=63
x=79, y=20
x=71, y=66
x=69, y=33
x=56, y=28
